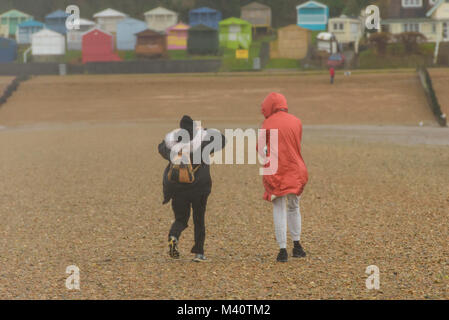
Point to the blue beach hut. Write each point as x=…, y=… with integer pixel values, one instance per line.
x=26, y=29
x=312, y=15
x=126, y=33
x=205, y=16
x=56, y=21
x=8, y=50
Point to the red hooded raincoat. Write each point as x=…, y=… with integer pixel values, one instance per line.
x=291, y=176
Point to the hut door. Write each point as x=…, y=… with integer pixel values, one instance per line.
x=234, y=30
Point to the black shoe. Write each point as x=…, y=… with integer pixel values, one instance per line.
x=173, y=247
x=298, y=251
x=282, y=256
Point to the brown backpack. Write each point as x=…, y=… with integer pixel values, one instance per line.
x=181, y=171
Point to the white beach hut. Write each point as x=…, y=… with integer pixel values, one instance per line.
x=47, y=45
x=160, y=19
x=107, y=19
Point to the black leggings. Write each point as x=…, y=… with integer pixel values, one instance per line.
x=181, y=207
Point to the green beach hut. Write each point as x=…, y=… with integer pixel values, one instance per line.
x=235, y=33
x=11, y=19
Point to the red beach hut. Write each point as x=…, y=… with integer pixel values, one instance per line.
x=98, y=46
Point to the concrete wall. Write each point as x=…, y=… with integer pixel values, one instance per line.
x=150, y=66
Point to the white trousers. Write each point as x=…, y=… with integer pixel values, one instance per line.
x=286, y=208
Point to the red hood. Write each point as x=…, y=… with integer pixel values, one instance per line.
x=273, y=103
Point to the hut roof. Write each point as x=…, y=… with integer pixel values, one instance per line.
x=47, y=32
x=57, y=14
x=149, y=32
x=85, y=22
x=311, y=4
x=159, y=11
x=201, y=27
x=96, y=29
x=109, y=13
x=256, y=5
x=30, y=24
x=234, y=20
x=180, y=26
x=131, y=21
x=14, y=14
x=203, y=10
x=293, y=26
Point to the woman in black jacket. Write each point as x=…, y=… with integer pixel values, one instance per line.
x=190, y=195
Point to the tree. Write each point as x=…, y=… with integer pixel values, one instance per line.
x=379, y=41
x=411, y=41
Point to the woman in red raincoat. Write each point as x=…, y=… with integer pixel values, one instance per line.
x=284, y=186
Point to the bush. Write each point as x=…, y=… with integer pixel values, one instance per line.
x=379, y=41
x=411, y=41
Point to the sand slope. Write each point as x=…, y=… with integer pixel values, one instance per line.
x=395, y=98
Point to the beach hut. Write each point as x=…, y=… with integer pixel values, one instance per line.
x=205, y=16
x=259, y=15
x=56, y=21
x=74, y=37
x=312, y=15
x=107, y=19
x=177, y=37
x=293, y=42
x=235, y=33
x=160, y=19
x=26, y=29
x=126, y=33
x=202, y=40
x=47, y=45
x=346, y=30
x=151, y=44
x=8, y=50
x=11, y=19
x=98, y=46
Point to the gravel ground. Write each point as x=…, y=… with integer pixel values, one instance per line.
x=89, y=194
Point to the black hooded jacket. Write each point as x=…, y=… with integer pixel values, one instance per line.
x=203, y=181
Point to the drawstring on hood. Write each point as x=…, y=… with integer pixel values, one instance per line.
x=273, y=103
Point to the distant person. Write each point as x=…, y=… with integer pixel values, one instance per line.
x=284, y=187
x=186, y=183
x=332, y=74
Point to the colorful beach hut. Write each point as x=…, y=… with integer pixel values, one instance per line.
x=235, y=33
x=177, y=37
x=151, y=44
x=74, y=37
x=259, y=15
x=26, y=29
x=293, y=42
x=312, y=15
x=11, y=19
x=160, y=19
x=126, y=33
x=47, y=45
x=98, y=46
x=108, y=19
x=56, y=21
x=205, y=16
x=202, y=40
x=8, y=50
